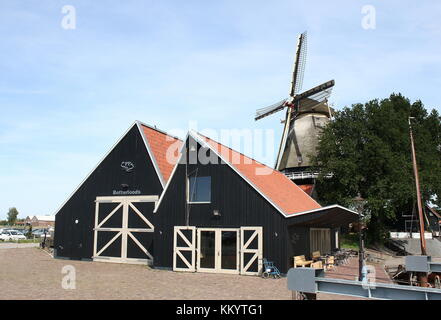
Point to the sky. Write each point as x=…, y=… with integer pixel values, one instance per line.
x=68, y=94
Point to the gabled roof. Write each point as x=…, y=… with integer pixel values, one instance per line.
x=288, y=198
x=158, y=144
x=284, y=194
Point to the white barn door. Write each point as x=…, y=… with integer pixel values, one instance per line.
x=118, y=222
x=251, y=250
x=184, y=249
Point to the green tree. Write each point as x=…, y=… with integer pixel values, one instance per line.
x=12, y=216
x=366, y=151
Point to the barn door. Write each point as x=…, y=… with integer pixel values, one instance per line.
x=251, y=250
x=123, y=232
x=184, y=252
x=218, y=250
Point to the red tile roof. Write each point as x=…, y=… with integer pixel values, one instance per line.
x=275, y=186
x=159, y=144
x=308, y=188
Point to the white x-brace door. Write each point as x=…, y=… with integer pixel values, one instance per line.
x=186, y=236
x=250, y=250
x=124, y=231
x=246, y=241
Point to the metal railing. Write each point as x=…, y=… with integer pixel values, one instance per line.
x=304, y=175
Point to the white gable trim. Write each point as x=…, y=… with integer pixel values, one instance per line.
x=159, y=130
x=90, y=173
x=205, y=144
x=196, y=136
x=105, y=156
x=322, y=209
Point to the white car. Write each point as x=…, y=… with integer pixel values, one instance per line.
x=8, y=235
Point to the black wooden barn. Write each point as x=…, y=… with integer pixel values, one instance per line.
x=193, y=206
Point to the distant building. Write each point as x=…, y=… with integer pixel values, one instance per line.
x=409, y=222
x=41, y=221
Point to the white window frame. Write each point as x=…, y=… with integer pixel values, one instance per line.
x=188, y=192
x=218, y=251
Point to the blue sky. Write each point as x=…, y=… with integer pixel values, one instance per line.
x=67, y=95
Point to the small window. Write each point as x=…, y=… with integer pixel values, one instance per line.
x=199, y=189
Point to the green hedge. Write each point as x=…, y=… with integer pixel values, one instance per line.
x=350, y=241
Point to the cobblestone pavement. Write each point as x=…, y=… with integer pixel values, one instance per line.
x=30, y=273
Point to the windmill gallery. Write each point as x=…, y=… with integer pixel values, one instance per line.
x=222, y=216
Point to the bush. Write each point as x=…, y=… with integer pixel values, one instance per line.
x=349, y=241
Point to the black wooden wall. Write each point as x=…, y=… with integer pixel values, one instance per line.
x=399, y=224
x=299, y=237
x=238, y=203
x=76, y=240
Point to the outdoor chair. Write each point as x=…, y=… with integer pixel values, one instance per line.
x=316, y=256
x=317, y=265
x=300, y=261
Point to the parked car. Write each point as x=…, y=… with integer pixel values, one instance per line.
x=8, y=235
x=39, y=233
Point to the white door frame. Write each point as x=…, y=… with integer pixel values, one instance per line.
x=217, y=251
x=191, y=246
x=244, y=248
x=125, y=232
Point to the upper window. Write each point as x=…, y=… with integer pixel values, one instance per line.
x=199, y=189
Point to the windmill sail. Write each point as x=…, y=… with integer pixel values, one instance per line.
x=299, y=65
x=302, y=138
x=296, y=85
x=324, y=90
x=313, y=99
x=264, y=112
x=306, y=115
x=303, y=126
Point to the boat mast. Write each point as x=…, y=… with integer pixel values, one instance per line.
x=417, y=184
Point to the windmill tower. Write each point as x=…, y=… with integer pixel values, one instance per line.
x=306, y=115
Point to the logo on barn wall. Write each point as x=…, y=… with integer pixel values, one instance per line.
x=126, y=192
x=127, y=166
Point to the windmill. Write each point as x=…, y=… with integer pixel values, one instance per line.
x=306, y=114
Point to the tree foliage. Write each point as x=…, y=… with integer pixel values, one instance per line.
x=366, y=151
x=12, y=216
